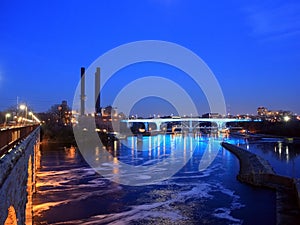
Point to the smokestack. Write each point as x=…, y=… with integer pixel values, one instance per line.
x=82, y=96
x=97, y=90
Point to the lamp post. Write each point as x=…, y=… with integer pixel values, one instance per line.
x=31, y=114
x=24, y=107
x=7, y=115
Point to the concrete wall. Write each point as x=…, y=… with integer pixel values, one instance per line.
x=256, y=171
x=17, y=181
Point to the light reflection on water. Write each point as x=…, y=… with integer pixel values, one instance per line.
x=284, y=157
x=70, y=191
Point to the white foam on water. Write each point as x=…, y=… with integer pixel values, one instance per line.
x=75, y=196
x=57, y=183
x=197, y=192
x=144, y=177
x=227, y=191
x=136, y=213
x=224, y=213
x=162, y=209
x=197, y=174
x=172, y=194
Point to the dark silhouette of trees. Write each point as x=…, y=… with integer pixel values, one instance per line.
x=57, y=126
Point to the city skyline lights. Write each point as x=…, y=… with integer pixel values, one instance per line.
x=252, y=48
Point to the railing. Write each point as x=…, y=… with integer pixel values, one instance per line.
x=11, y=136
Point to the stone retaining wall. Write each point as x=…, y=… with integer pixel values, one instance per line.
x=256, y=171
x=14, y=175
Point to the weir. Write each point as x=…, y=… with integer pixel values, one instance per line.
x=18, y=164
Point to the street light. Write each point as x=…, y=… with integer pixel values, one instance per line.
x=31, y=114
x=7, y=115
x=286, y=118
x=24, y=107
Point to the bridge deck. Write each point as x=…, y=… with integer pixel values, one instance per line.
x=11, y=136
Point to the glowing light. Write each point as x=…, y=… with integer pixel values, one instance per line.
x=280, y=147
x=12, y=216
x=23, y=107
x=115, y=166
x=70, y=152
x=286, y=118
x=141, y=130
x=34, y=117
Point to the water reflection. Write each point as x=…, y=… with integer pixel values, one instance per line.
x=70, y=152
x=283, y=156
x=191, y=196
x=159, y=153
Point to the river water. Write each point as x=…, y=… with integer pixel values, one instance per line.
x=284, y=157
x=69, y=191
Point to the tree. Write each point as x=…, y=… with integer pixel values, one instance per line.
x=60, y=113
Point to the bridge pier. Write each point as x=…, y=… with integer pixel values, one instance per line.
x=158, y=124
x=17, y=180
x=221, y=125
x=190, y=126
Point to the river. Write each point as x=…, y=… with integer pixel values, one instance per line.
x=69, y=191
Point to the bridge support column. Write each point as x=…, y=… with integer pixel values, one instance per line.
x=190, y=126
x=146, y=126
x=158, y=124
x=221, y=125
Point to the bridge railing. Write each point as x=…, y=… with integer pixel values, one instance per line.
x=11, y=136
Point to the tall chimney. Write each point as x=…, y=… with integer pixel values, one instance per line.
x=97, y=90
x=82, y=96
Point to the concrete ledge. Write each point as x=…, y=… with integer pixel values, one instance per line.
x=9, y=160
x=253, y=169
x=256, y=171
x=17, y=179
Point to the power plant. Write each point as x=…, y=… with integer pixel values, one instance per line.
x=82, y=96
x=97, y=91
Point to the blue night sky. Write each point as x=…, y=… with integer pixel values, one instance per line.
x=253, y=48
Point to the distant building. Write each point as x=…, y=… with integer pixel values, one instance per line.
x=211, y=115
x=109, y=111
x=262, y=111
x=65, y=113
x=109, y=119
x=273, y=115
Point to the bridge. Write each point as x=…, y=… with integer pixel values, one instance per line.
x=19, y=159
x=189, y=123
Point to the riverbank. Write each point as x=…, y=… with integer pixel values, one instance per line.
x=256, y=171
x=286, y=129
